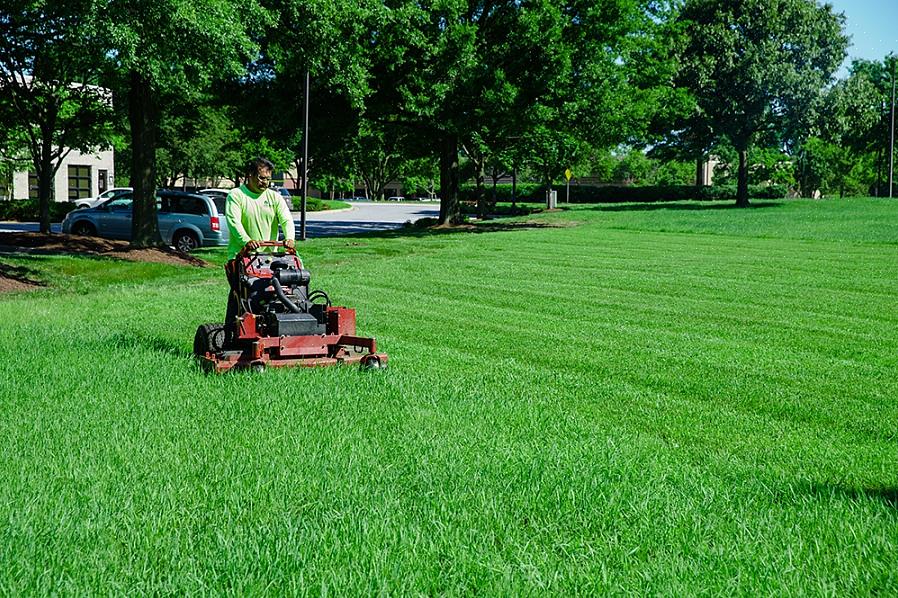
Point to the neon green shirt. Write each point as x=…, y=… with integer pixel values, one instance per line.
x=255, y=217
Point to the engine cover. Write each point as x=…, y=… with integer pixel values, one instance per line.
x=294, y=324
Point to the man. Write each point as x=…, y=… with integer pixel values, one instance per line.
x=253, y=212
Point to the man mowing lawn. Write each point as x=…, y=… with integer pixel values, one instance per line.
x=253, y=212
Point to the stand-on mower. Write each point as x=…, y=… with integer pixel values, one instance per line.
x=280, y=323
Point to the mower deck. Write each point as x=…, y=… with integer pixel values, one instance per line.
x=297, y=351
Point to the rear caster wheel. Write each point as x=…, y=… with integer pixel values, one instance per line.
x=372, y=362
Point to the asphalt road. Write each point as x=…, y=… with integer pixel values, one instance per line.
x=363, y=217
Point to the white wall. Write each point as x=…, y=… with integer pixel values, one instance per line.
x=100, y=161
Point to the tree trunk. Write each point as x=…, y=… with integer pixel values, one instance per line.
x=45, y=183
x=742, y=188
x=699, y=172
x=481, y=190
x=495, y=198
x=450, y=212
x=514, y=186
x=143, y=119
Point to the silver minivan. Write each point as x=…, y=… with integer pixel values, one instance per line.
x=186, y=220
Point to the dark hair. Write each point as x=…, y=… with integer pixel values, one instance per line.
x=257, y=164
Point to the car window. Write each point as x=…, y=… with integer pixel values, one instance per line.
x=184, y=204
x=121, y=203
x=220, y=203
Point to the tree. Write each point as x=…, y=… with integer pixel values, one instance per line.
x=47, y=86
x=161, y=50
x=757, y=67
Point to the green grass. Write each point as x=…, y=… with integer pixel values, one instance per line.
x=686, y=399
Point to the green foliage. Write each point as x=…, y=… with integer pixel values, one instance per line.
x=756, y=68
x=28, y=210
x=314, y=204
x=50, y=104
x=629, y=193
x=625, y=399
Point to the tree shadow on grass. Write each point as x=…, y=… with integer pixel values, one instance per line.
x=21, y=274
x=154, y=343
x=886, y=494
x=691, y=206
x=487, y=226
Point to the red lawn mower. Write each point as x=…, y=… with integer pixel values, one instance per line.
x=280, y=323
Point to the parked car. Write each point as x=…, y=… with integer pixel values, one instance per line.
x=222, y=193
x=90, y=202
x=396, y=198
x=186, y=220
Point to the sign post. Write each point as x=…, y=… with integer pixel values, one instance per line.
x=567, y=191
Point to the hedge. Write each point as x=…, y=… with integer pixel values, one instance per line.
x=621, y=193
x=28, y=210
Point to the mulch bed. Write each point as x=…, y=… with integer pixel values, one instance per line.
x=16, y=279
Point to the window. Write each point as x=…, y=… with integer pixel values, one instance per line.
x=184, y=204
x=101, y=181
x=79, y=182
x=32, y=185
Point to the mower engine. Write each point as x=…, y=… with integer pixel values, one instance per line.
x=275, y=288
x=280, y=323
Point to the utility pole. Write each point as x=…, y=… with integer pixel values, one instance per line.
x=892, y=135
x=305, y=165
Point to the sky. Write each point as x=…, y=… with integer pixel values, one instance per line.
x=873, y=27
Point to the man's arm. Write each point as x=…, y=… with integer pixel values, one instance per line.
x=285, y=219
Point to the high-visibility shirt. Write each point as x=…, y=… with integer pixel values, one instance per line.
x=255, y=217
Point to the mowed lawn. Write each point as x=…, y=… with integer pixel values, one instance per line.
x=677, y=399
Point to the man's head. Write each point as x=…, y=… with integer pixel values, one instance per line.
x=258, y=174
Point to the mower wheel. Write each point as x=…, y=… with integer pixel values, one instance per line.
x=257, y=367
x=209, y=338
x=84, y=229
x=185, y=241
x=372, y=362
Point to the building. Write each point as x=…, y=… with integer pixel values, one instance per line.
x=79, y=175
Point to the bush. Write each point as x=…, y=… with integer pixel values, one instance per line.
x=28, y=210
x=531, y=192
x=313, y=204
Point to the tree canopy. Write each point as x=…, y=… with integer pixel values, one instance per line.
x=756, y=68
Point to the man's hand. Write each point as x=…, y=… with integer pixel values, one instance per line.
x=252, y=245
x=290, y=244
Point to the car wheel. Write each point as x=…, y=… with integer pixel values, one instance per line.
x=84, y=229
x=185, y=241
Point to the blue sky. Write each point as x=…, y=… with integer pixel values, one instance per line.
x=872, y=25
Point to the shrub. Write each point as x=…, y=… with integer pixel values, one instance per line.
x=28, y=210
x=531, y=192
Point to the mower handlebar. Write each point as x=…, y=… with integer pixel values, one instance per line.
x=246, y=251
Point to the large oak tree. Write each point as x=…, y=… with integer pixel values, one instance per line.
x=757, y=67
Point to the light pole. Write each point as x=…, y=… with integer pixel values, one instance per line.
x=305, y=165
x=892, y=132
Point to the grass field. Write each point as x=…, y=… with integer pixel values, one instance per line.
x=682, y=399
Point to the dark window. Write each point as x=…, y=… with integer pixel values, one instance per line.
x=101, y=181
x=32, y=186
x=184, y=204
x=79, y=182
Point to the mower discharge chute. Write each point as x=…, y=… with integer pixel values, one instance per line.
x=281, y=324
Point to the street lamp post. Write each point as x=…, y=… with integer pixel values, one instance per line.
x=305, y=165
x=892, y=133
